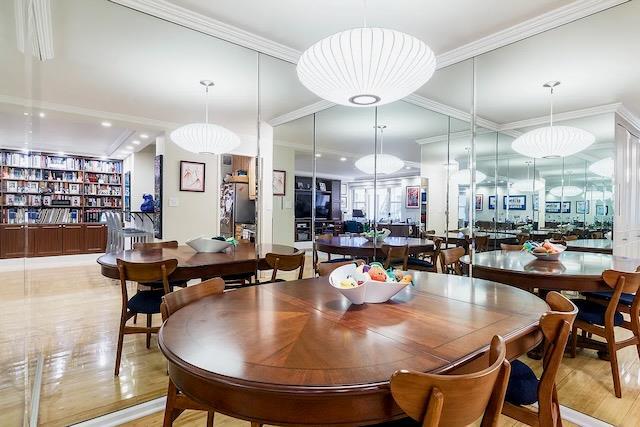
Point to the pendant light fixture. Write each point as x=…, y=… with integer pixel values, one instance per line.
x=603, y=167
x=567, y=190
x=552, y=141
x=366, y=66
x=528, y=185
x=386, y=163
x=463, y=177
x=205, y=137
x=599, y=195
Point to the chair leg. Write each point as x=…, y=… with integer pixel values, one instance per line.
x=119, y=349
x=149, y=331
x=169, y=409
x=135, y=318
x=613, y=359
x=210, y=415
x=574, y=341
x=255, y=424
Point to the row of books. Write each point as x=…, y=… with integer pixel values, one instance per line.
x=44, y=161
x=16, y=173
x=40, y=187
x=101, y=178
x=102, y=166
x=95, y=215
x=102, y=190
x=103, y=202
x=42, y=216
x=67, y=176
x=39, y=200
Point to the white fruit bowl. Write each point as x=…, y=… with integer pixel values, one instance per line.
x=368, y=292
x=206, y=244
x=550, y=257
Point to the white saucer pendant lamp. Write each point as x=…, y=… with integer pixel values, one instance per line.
x=566, y=191
x=385, y=164
x=603, y=167
x=205, y=137
x=366, y=66
x=552, y=141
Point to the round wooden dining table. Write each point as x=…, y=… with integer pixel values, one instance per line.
x=601, y=246
x=357, y=246
x=195, y=265
x=300, y=353
x=574, y=271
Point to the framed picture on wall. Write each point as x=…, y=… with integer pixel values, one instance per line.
x=515, y=203
x=582, y=206
x=536, y=202
x=602, y=210
x=566, y=207
x=492, y=202
x=192, y=176
x=279, y=183
x=479, y=201
x=412, y=196
x=157, y=188
x=552, y=207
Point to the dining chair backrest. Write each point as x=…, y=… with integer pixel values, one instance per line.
x=279, y=262
x=482, y=243
x=597, y=235
x=507, y=247
x=143, y=246
x=621, y=282
x=570, y=238
x=395, y=254
x=325, y=268
x=522, y=237
x=323, y=236
x=174, y=301
x=145, y=272
x=455, y=400
x=450, y=261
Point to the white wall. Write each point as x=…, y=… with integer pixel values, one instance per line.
x=283, y=206
x=436, y=174
x=142, y=175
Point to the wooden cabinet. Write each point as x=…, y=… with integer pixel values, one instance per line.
x=14, y=241
x=73, y=239
x=95, y=238
x=48, y=240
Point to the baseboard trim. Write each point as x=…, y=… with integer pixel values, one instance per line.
x=126, y=415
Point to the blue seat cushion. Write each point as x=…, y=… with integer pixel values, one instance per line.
x=146, y=302
x=591, y=312
x=523, y=385
x=417, y=262
x=626, y=299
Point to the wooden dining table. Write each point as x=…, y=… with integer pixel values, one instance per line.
x=242, y=258
x=574, y=271
x=602, y=246
x=360, y=247
x=299, y=353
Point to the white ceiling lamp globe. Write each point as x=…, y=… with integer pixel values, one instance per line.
x=366, y=66
x=205, y=138
x=528, y=185
x=552, y=141
x=386, y=164
x=566, y=191
x=599, y=195
x=463, y=177
x=603, y=167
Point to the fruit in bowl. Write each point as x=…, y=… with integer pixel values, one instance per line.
x=376, y=235
x=545, y=251
x=368, y=283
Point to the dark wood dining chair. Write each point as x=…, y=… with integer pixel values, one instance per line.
x=316, y=255
x=426, y=261
x=570, y=238
x=455, y=400
x=324, y=269
x=522, y=237
x=143, y=302
x=395, y=256
x=450, y=261
x=177, y=402
x=596, y=235
x=524, y=387
x=155, y=245
x=507, y=247
x=279, y=262
x=481, y=243
x=601, y=312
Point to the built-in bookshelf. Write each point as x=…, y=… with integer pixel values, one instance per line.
x=49, y=188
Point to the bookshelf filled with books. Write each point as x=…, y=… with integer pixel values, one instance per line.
x=50, y=188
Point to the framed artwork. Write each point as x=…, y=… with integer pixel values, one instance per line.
x=192, y=176
x=279, y=183
x=322, y=186
x=515, y=203
x=423, y=197
x=552, y=207
x=412, y=197
x=479, y=201
x=157, y=186
x=566, y=207
x=492, y=202
x=582, y=206
x=536, y=202
x=602, y=210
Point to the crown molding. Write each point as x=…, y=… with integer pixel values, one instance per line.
x=627, y=115
x=182, y=16
x=559, y=117
x=300, y=112
x=547, y=21
x=120, y=140
x=72, y=109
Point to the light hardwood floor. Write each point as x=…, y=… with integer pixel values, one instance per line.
x=65, y=310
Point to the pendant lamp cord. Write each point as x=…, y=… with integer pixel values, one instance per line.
x=551, y=112
x=364, y=13
x=206, y=104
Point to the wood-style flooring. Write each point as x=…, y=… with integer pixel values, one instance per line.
x=65, y=310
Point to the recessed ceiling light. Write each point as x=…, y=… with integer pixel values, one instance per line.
x=144, y=136
x=318, y=155
x=106, y=124
x=25, y=113
x=60, y=153
x=41, y=114
x=343, y=159
x=407, y=167
x=130, y=148
x=136, y=142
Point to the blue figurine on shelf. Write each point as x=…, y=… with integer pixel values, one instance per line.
x=147, y=205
